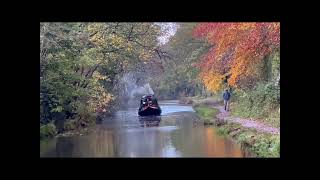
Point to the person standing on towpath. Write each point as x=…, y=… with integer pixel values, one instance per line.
x=226, y=98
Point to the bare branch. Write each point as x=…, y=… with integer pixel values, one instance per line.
x=129, y=36
x=163, y=54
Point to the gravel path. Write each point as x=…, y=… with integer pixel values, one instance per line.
x=259, y=126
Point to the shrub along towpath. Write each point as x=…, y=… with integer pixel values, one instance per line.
x=258, y=137
x=225, y=116
x=248, y=123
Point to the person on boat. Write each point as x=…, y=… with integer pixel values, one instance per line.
x=149, y=106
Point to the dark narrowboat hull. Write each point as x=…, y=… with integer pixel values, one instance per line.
x=149, y=111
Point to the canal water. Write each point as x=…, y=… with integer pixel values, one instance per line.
x=175, y=133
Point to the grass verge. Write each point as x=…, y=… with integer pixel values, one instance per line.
x=206, y=114
x=260, y=144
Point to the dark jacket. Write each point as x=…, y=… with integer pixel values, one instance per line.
x=226, y=96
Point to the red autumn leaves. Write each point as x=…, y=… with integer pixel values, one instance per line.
x=237, y=50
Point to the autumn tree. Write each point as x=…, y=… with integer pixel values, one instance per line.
x=180, y=74
x=238, y=53
x=79, y=63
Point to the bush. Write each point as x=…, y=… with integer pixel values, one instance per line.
x=48, y=130
x=222, y=131
x=274, y=147
x=262, y=102
x=263, y=145
x=267, y=146
x=70, y=125
x=83, y=111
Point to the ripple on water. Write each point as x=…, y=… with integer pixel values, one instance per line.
x=161, y=128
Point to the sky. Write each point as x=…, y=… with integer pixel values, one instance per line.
x=168, y=30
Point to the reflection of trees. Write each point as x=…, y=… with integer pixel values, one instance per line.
x=245, y=152
x=169, y=121
x=98, y=144
x=217, y=146
x=232, y=149
x=176, y=138
x=211, y=142
x=141, y=143
x=104, y=143
x=201, y=141
x=48, y=147
x=64, y=147
x=188, y=140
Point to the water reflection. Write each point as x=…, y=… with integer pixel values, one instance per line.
x=64, y=147
x=204, y=142
x=150, y=121
x=128, y=135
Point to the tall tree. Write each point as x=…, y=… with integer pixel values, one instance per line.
x=238, y=49
x=79, y=62
x=180, y=74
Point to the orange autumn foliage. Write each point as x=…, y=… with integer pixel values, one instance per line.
x=237, y=49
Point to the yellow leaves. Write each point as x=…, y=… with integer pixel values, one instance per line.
x=93, y=27
x=94, y=30
x=212, y=81
x=145, y=55
x=274, y=26
x=115, y=40
x=102, y=38
x=98, y=39
x=99, y=99
x=97, y=76
x=246, y=26
x=129, y=47
x=239, y=67
x=135, y=39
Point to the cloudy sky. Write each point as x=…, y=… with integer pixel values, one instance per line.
x=168, y=30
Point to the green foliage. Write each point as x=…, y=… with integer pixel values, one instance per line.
x=82, y=110
x=263, y=145
x=48, y=130
x=205, y=112
x=222, y=131
x=70, y=125
x=181, y=76
x=267, y=146
x=80, y=61
x=57, y=109
x=275, y=61
x=263, y=102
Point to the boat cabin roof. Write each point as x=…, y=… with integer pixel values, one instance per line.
x=148, y=95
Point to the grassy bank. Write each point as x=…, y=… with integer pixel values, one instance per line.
x=68, y=127
x=47, y=131
x=261, y=144
x=206, y=113
x=261, y=103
